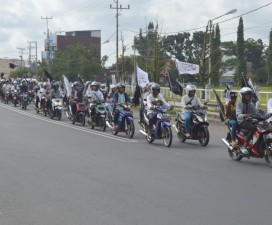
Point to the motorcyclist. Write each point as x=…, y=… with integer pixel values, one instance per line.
x=54, y=93
x=152, y=99
x=119, y=97
x=95, y=95
x=23, y=88
x=103, y=89
x=230, y=109
x=15, y=86
x=188, y=101
x=75, y=96
x=245, y=109
x=147, y=91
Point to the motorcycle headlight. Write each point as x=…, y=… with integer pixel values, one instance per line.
x=200, y=119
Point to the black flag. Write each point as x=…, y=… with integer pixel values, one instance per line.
x=175, y=87
x=48, y=75
x=12, y=66
x=137, y=95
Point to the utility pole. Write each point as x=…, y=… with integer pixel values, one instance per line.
x=47, y=38
x=117, y=25
x=21, y=52
x=31, y=57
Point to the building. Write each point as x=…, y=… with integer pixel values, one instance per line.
x=4, y=66
x=88, y=38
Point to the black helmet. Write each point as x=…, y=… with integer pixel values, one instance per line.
x=232, y=94
x=156, y=87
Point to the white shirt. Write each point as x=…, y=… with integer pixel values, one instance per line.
x=95, y=95
x=185, y=99
x=150, y=100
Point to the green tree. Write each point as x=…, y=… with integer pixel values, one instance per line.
x=152, y=53
x=216, y=56
x=269, y=60
x=241, y=62
x=77, y=59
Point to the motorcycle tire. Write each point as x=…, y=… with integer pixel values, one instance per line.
x=234, y=155
x=15, y=104
x=82, y=120
x=179, y=134
x=203, y=136
x=149, y=139
x=167, y=136
x=103, y=124
x=59, y=114
x=130, y=129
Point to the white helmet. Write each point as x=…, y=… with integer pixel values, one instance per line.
x=190, y=87
x=244, y=90
x=103, y=87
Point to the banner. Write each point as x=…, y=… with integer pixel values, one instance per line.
x=142, y=77
x=67, y=86
x=187, y=68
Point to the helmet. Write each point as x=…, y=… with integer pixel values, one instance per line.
x=243, y=91
x=190, y=87
x=232, y=94
x=56, y=85
x=155, y=87
x=119, y=85
x=103, y=87
x=94, y=83
x=15, y=82
x=75, y=83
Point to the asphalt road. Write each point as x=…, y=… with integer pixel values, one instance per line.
x=55, y=173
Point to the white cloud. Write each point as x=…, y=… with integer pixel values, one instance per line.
x=21, y=19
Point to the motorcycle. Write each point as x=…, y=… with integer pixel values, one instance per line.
x=15, y=99
x=80, y=113
x=259, y=147
x=99, y=119
x=7, y=96
x=125, y=121
x=31, y=96
x=24, y=100
x=161, y=129
x=199, y=126
x=56, y=111
x=45, y=109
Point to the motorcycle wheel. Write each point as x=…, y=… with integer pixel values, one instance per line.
x=167, y=136
x=268, y=155
x=59, y=114
x=234, y=156
x=73, y=120
x=52, y=115
x=179, y=134
x=130, y=129
x=15, y=104
x=103, y=124
x=149, y=139
x=203, y=136
x=82, y=120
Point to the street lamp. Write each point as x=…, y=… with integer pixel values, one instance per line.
x=209, y=25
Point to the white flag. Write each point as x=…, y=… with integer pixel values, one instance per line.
x=67, y=85
x=187, y=68
x=142, y=77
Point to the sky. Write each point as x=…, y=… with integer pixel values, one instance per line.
x=21, y=20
